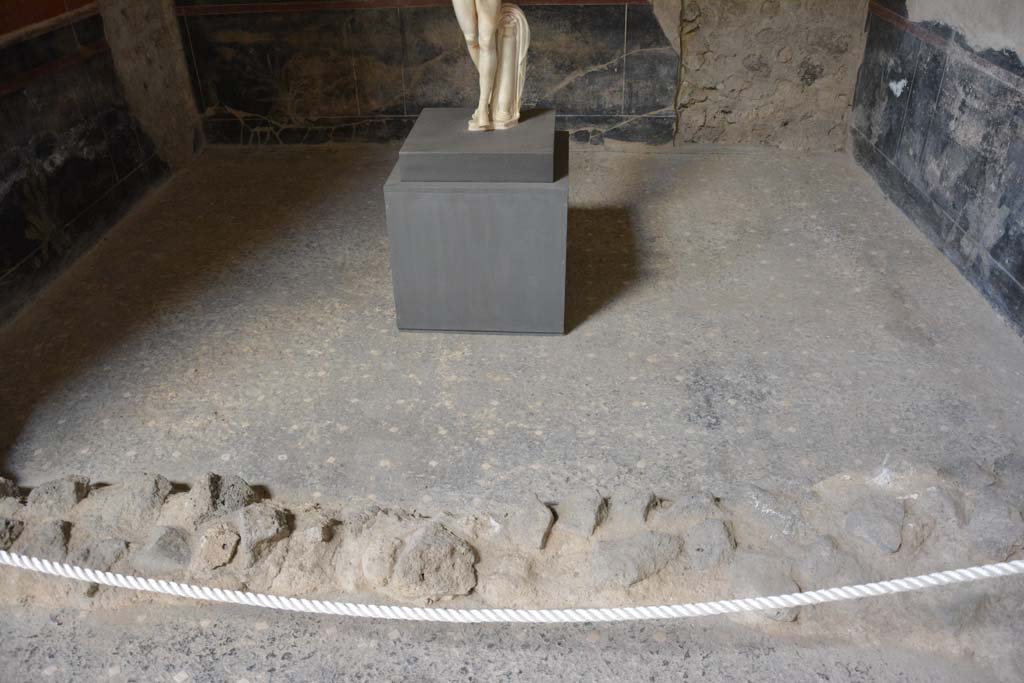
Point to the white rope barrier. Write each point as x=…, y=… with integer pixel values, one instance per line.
x=530, y=616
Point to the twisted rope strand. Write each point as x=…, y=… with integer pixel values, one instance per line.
x=504, y=616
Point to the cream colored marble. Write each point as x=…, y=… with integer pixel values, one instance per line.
x=498, y=38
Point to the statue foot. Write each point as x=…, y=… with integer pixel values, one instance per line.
x=480, y=121
x=504, y=120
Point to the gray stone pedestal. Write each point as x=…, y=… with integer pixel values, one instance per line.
x=471, y=253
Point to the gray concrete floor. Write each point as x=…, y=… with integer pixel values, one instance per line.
x=740, y=315
x=239, y=645
x=736, y=316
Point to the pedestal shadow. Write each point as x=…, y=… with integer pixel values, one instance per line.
x=601, y=260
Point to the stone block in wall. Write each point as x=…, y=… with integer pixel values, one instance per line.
x=768, y=72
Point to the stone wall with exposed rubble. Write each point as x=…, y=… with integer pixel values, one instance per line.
x=775, y=72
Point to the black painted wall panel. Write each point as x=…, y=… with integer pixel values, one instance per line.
x=72, y=156
x=650, y=65
x=948, y=147
x=889, y=60
x=310, y=77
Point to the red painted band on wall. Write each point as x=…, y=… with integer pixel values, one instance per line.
x=17, y=14
x=336, y=5
x=907, y=25
x=23, y=32
x=84, y=53
x=923, y=34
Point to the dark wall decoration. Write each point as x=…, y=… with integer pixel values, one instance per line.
x=313, y=72
x=16, y=15
x=72, y=156
x=941, y=127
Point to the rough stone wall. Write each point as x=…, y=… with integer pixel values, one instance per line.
x=776, y=72
x=146, y=45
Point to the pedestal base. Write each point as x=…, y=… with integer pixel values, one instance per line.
x=441, y=147
x=477, y=226
x=482, y=257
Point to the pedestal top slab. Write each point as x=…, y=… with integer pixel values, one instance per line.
x=441, y=148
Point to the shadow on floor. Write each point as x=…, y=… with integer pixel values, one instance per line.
x=601, y=261
x=230, y=240
x=152, y=267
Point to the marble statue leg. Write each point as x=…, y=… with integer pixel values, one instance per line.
x=465, y=14
x=501, y=67
x=487, y=27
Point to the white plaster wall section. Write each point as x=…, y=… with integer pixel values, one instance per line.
x=996, y=24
